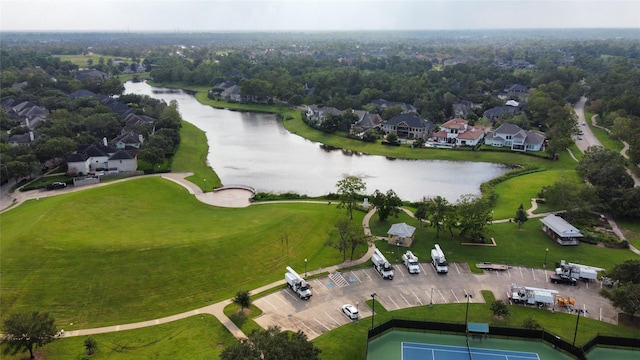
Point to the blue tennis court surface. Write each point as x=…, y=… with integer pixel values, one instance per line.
x=415, y=351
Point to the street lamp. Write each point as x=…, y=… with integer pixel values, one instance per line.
x=305, y=268
x=373, y=308
x=466, y=316
x=575, y=333
x=431, y=298
x=546, y=252
x=205, y=185
x=358, y=310
x=397, y=250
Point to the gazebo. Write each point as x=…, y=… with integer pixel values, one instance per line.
x=560, y=230
x=401, y=234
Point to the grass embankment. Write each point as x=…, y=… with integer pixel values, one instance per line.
x=192, y=157
x=198, y=337
x=145, y=248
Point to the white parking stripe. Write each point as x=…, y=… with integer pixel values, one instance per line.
x=405, y=300
x=394, y=303
x=363, y=270
x=456, y=265
x=309, y=329
x=288, y=293
x=533, y=271
x=321, y=284
x=521, y=275
x=422, y=269
x=354, y=275
x=321, y=324
x=417, y=298
x=334, y=320
x=398, y=269
x=268, y=302
x=442, y=296
x=454, y=295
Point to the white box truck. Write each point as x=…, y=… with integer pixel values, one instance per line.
x=297, y=284
x=411, y=262
x=532, y=296
x=577, y=271
x=381, y=265
x=438, y=260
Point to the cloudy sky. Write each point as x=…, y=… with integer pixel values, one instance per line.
x=283, y=15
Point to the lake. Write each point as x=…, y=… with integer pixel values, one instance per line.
x=255, y=149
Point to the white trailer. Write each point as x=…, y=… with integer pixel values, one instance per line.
x=532, y=296
x=297, y=284
x=438, y=260
x=381, y=265
x=578, y=271
x=411, y=262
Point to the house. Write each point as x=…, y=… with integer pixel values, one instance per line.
x=517, y=90
x=367, y=121
x=494, y=113
x=461, y=108
x=92, y=74
x=128, y=141
x=458, y=131
x=383, y=104
x=24, y=139
x=100, y=156
x=318, y=114
x=401, y=234
x=517, y=139
x=231, y=94
x=560, y=230
x=409, y=126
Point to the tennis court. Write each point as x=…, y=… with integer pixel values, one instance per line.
x=415, y=351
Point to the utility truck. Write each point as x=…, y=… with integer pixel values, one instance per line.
x=297, y=284
x=382, y=266
x=411, y=262
x=577, y=271
x=532, y=296
x=438, y=260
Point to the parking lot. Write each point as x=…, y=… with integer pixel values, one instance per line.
x=322, y=312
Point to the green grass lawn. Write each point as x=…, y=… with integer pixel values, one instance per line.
x=197, y=337
x=192, y=157
x=526, y=247
x=145, y=248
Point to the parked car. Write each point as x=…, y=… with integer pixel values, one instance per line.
x=350, y=311
x=563, y=279
x=56, y=185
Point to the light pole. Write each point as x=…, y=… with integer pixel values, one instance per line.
x=397, y=250
x=575, y=333
x=373, y=308
x=431, y=298
x=466, y=315
x=358, y=310
x=205, y=185
x=305, y=268
x=546, y=252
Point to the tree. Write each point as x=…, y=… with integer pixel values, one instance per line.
x=26, y=331
x=521, y=216
x=625, y=297
x=439, y=212
x=272, y=344
x=531, y=324
x=153, y=155
x=55, y=148
x=421, y=213
x=349, y=190
x=242, y=299
x=91, y=345
x=474, y=213
x=392, y=138
x=499, y=309
x=387, y=204
x=628, y=271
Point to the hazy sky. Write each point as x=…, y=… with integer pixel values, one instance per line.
x=281, y=15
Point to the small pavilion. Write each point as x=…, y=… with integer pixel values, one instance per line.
x=401, y=234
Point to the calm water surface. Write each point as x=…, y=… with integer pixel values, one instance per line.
x=256, y=150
